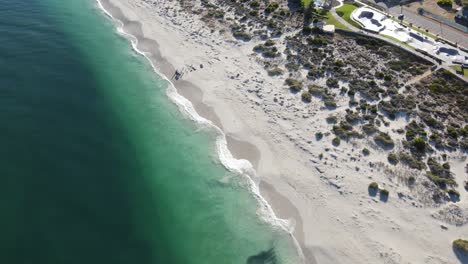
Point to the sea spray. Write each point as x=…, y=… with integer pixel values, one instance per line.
x=239, y=166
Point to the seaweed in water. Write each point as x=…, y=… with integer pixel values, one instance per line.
x=264, y=257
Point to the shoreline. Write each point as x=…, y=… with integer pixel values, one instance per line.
x=240, y=150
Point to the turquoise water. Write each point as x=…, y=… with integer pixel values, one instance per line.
x=97, y=165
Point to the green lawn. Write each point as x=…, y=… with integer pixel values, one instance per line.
x=458, y=68
x=347, y=9
x=330, y=20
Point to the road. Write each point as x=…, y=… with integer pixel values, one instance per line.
x=434, y=27
x=444, y=65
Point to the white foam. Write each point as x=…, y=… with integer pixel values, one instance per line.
x=240, y=166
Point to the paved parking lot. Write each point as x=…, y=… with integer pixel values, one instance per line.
x=433, y=26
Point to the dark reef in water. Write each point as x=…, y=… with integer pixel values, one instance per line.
x=264, y=257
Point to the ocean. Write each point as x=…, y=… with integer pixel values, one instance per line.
x=99, y=165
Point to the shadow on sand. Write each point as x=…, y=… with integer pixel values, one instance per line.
x=463, y=257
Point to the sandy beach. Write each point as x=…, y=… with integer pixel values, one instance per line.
x=322, y=189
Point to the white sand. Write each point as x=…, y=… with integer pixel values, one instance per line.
x=337, y=221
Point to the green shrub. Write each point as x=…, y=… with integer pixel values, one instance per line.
x=332, y=82
x=392, y=158
x=253, y=12
x=332, y=119
x=330, y=102
x=373, y=185
x=292, y=66
x=369, y=129
x=339, y=63
x=366, y=152
x=242, y=35
x=445, y=3
x=411, y=161
x=259, y=48
x=269, y=43
x=318, y=135
x=306, y=97
x=453, y=193
x=275, y=72
x=294, y=85
x=316, y=90
x=461, y=245
x=419, y=145
x=384, y=192
x=384, y=140
x=411, y=179
x=271, y=7
x=254, y=4
x=439, y=181
x=336, y=141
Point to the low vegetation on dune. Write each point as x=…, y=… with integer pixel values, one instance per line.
x=461, y=245
x=365, y=83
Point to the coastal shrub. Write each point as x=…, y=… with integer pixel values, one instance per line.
x=294, y=84
x=316, y=90
x=306, y=97
x=384, y=192
x=254, y=4
x=270, y=52
x=332, y=82
x=411, y=179
x=452, y=132
x=306, y=30
x=292, y=66
x=336, y=141
x=317, y=41
x=369, y=129
x=384, y=140
x=438, y=169
x=414, y=129
x=275, y=71
x=440, y=181
x=352, y=117
x=269, y=43
x=411, y=161
x=332, y=119
x=445, y=3
x=253, y=12
x=419, y=145
x=373, y=185
x=215, y=13
x=392, y=158
x=242, y=35
x=454, y=193
x=271, y=7
x=318, y=135
x=339, y=63
x=461, y=245
x=366, y=152
x=259, y=48
x=330, y=102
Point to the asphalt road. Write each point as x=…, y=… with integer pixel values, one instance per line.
x=434, y=27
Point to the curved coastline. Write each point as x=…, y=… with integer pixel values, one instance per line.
x=191, y=105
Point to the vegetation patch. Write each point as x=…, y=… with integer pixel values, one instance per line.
x=384, y=140
x=461, y=245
